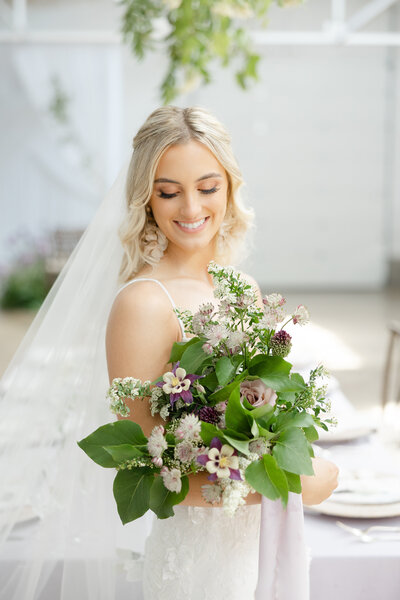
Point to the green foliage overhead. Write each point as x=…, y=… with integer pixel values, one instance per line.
x=198, y=32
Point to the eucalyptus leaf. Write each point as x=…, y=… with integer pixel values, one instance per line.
x=132, y=493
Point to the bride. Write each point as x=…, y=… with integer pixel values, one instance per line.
x=183, y=210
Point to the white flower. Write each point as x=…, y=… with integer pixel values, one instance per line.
x=216, y=334
x=235, y=339
x=164, y=412
x=271, y=318
x=171, y=479
x=185, y=452
x=301, y=315
x=175, y=382
x=211, y=493
x=259, y=446
x=220, y=461
x=234, y=495
x=189, y=428
x=199, y=322
x=156, y=443
x=274, y=300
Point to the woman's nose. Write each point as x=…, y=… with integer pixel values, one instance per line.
x=190, y=207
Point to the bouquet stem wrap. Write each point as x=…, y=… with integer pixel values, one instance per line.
x=284, y=559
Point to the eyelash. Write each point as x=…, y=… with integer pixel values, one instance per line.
x=210, y=191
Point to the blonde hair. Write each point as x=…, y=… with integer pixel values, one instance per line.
x=142, y=240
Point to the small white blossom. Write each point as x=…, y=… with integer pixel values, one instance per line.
x=211, y=493
x=164, y=412
x=171, y=479
x=259, y=446
x=185, y=452
x=236, y=339
x=189, y=428
x=216, y=334
x=274, y=300
x=301, y=315
x=157, y=443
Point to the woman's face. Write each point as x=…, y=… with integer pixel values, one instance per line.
x=189, y=196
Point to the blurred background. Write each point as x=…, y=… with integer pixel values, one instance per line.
x=317, y=137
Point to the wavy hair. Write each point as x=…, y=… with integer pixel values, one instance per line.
x=142, y=240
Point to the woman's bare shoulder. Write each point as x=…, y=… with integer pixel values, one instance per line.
x=141, y=329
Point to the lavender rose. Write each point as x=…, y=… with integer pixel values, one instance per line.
x=257, y=393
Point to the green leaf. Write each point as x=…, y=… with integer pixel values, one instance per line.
x=311, y=433
x=294, y=482
x=259, y=478
x=162, y=500
x=235, y=415
x=281, y=383
x=123, y=452
x=178, y=348
x=210, y=381
x=193, y=357
x=225, y=370
x=261, y=411
x=132, y=493
x=277, y=477
x=291, y=452
x=264, y=366
x=112, y=434
x=225, y=392
x=293, y=419
x=208, y=431
x=241, y=445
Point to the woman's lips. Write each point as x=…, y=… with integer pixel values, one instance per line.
x=191, y=225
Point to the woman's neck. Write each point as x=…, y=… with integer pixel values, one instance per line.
x=179, y=264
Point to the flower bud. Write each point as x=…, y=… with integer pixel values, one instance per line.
x=281, y=343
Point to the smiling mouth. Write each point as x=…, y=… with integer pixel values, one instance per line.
x=192, y=226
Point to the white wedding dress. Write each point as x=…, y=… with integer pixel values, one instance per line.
x=201, y=553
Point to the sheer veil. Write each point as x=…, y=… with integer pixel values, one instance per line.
x=59, y=528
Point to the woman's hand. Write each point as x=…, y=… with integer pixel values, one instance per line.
x=318, y=487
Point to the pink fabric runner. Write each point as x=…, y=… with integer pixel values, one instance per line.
x=284, y=558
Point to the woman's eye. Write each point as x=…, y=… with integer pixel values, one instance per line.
x=210, y=191
x=164, y=195
x=207, y=191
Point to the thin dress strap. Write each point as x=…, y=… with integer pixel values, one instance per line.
x=165, y=290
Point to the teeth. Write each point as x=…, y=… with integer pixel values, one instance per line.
x=192, y=225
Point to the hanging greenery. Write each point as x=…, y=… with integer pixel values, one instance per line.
x=197, y=32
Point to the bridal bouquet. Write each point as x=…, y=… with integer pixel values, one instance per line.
x=230, y=404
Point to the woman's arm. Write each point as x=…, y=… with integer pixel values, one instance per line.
x=318, y=487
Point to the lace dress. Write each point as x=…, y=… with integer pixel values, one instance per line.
x=201, y=553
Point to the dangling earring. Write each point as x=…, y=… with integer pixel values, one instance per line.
x=221, y=239
x=153, y=239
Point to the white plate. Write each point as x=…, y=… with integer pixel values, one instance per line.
x=355, y=511
x=343, y=435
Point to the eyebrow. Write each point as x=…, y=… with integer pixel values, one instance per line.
x=207, y=176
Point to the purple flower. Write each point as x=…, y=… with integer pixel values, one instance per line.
x=176, y=384
x=208, y=414
x=221, y=461
x=281, y=343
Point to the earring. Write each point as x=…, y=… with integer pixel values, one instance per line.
x=154, y=242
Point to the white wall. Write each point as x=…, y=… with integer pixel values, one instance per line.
x=315, y=139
